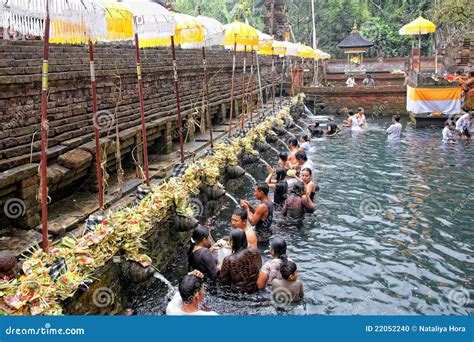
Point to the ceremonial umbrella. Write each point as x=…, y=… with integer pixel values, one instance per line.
x=61, y=21
x=236, y=34
x=305, y=52
x=118, y=25
x=266, y=47
x=188, y=30
x=418, y=27
x=152, y=23
x=213, y=35
x=291, y=51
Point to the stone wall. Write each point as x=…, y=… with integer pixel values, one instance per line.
x=376, y=101
x=71, y=150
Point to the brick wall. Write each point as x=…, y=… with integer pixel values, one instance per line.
x=376, y=101
x=70, y=147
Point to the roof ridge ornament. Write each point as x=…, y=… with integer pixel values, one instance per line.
x=354, y=28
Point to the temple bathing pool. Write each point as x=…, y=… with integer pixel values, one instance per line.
x=393, y=232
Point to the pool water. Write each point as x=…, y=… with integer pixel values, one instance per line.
x=392, y=234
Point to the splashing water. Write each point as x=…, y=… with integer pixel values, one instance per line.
x=165, y=281
x=284, y=144
x=301, y=128
x=275, y=150
x=265, y=162
x=307, y=111
x=249, y=176
x=232, y=198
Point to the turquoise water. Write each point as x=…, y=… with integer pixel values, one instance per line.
x=392, y=235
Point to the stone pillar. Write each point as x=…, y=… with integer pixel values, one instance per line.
x=223, y=113
x=166, y=140
x=28, y=190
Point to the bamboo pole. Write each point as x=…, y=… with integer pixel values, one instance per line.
x=251, y=86
x=178, y=100
x=282, y=80
x=95, y=119
x=242, y=119
x=273, y=82
x=259, y=80
x=142, y=110
x=232, y=89
x=206, y=85
x=44, y=133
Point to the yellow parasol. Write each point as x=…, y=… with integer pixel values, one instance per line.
x=119, y=21
x=279, y=48
x=265, y=44
x=239, y=34
x=304, y=51
x=213, y=35
x=417, y=27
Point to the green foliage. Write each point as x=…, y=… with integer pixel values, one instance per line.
x=226, y=11
x=378, y=20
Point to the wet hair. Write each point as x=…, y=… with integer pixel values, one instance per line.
x=301, y=155
x=283, y=156
x=280, y=174
x=287, y=268
x=279, y=248
x=307, y=169
x=199, y=233
x=298, y=188
x=350, y=112
x=239, y=240
x=471, y=74
x=293, y=141
x=240, y=212
x=396, y=117
x=316, y=125
x=263, y=187
x=458, y=72
x=189, y=286
x=305, y=137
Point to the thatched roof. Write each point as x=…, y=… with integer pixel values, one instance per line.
x=354, y=40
